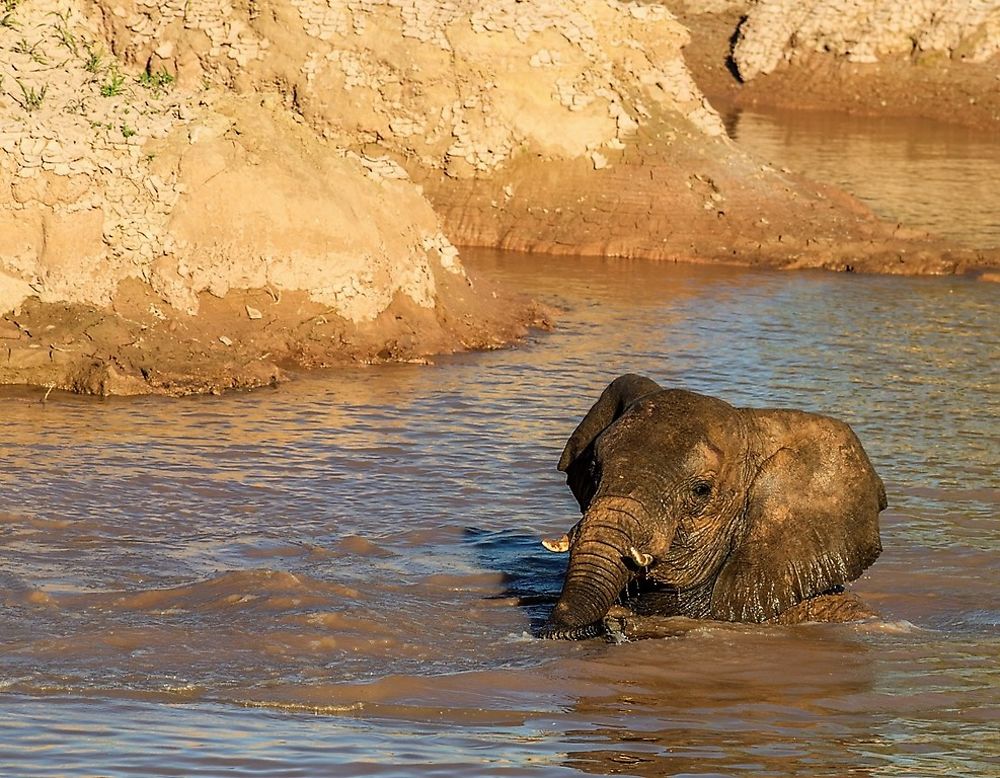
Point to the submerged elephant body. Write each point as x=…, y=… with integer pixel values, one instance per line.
x=692, y=507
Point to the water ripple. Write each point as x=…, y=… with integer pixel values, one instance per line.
x=363, y=544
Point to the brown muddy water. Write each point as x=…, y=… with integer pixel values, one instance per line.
x=938, y=177
x=341, y=576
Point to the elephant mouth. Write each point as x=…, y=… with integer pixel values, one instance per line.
x=641, y=594
x=609, y=565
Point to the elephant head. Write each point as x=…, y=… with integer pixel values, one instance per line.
x=716, y=512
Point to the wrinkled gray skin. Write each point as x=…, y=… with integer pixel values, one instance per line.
x=725, y=513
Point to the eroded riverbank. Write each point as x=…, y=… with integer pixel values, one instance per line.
x=876, y=58
x=926, y=175
x=192, y=199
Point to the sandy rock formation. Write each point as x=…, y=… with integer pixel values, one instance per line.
x=938, y=59
x=569, y=126
x=461, y=88
x=866, y=30
x=229, y=186
x=123, y=192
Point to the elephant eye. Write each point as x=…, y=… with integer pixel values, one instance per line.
x=702, y=489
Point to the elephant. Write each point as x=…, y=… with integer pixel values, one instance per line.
x=693, y=507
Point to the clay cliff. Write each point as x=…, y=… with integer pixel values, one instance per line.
x=938, y=59
x=867, y=31
x=160, y=232
x=196, y=194
x=569, y=126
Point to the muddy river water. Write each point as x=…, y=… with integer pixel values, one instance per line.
x=341, y=576
x=937, y=177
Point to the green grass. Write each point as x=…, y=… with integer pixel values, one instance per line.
x=94, y=62
x=7, y=8
x=31, y=98
x=156, y=81
x=31, y=50
x=78, y=106
x=113, y=86
x=64, y=35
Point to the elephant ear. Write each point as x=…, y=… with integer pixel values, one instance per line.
x=577, y=459
x=811, y=521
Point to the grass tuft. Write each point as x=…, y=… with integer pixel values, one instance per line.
x=94, y=62
x=31, y=98
x=114, y=86
x=156, y=81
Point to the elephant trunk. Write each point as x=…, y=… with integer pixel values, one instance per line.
x=597, y=570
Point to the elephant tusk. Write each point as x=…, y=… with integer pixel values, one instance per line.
x=639, y=557
x=558, y=545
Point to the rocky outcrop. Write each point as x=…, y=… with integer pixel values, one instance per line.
x=232, y=187
x=569, y=126
x=866, y=31
x=921, y=59
x=120, y=187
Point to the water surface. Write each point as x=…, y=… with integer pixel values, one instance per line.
x=341, y=576
x=922, y=174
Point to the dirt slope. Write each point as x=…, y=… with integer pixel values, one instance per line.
x=195, y=194
x=908, y=58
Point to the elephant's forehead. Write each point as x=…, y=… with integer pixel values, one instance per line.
x=689, y=454
x=683, y=438
x=685, y=404
x=682, y=414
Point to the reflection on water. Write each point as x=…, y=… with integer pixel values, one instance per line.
x=937, y=177
x=362, y=544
